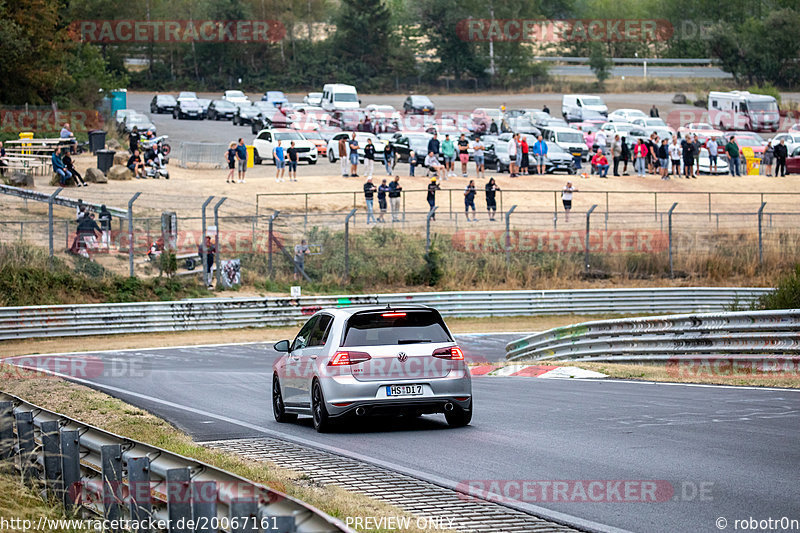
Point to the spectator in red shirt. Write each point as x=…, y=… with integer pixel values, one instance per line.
x=600, y=162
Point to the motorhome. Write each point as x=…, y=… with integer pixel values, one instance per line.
x=741, y=110
x=337, y=96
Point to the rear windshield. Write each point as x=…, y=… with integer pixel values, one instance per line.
x=392, y=327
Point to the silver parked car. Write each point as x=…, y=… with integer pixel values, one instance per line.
x=362, y=361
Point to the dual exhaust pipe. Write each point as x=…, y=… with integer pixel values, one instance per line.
x=360, y=411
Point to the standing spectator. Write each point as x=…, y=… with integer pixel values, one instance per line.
x=369, y=157
x=767, y=159
x=3, y=163
x=697, y=146
x=626, y=156
x=733, y=156
x=433, y=145
x=135, y=165
x=713, y=150
x=493, y=128
x=546, y=109
x=432, y=162
x=105, y=226
x=781, y=153
x=600, y=140
x=280, y=161
x=369, y=190
x=654, y=111
x=675, y=153
x=68, y=138
x=540, y=152
x=208, y=267
x=382, y=190
x=478, y=154
x=640, y=154
x=133, y=139
x=394, y=198
x=524, y=151
x=512, y=155
x=292, y=153
x=651, y=144
x=433, y=186
x=663, y=159
x=469, y=200
x=71, y=169
x=600, y=162
x=343, y=155
x=87, y=234
x=230, y=155
x=616, y=153
x=80, y=210
x=241, y=155
x=388, y=158
x=463, y=154
x=413, y=161
x=352, y=144
x=589, y=139
x=566, y=199
x=449, y=153
x=687, y=147
x=58, y=166
x=300, y=252
x=491, y=199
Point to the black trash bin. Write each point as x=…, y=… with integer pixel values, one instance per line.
x=105, y=160
x=97, y=140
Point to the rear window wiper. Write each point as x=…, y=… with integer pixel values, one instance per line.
x=412, y=341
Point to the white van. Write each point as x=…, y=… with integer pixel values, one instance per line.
x=339, y=96
x=741, y=110
x=578, y=107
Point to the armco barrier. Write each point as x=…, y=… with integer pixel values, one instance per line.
x=96, y=473
x=224, y=313
x=744, y=335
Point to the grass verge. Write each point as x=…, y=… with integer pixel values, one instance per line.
x=108, y=413
x=22, y=508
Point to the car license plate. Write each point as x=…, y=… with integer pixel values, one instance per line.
x=403, y=390
x=576, y=154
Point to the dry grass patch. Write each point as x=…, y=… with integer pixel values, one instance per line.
x=21, y=506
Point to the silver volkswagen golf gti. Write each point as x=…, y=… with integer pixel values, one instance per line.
x=362, y=361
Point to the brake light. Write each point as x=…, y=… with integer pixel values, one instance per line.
x=392, y=315
x=348, y=358
x=453, y=353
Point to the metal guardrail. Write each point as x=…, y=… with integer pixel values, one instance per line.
x=226, y=313
x=94, y=472
x=201, y=153
x=743, y=335
x=28, y=194
x=635, y=60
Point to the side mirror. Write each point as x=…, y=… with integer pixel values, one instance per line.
x=281, y=346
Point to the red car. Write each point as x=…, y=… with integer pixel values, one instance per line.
x=793, y=162
x=315, y=137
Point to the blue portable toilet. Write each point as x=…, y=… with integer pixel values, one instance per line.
x=119, y=100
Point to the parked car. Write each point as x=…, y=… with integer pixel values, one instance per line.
x=569, y=139
x=272, y=117
x=187, y=95
x=482, y=117
x=417, y=104
x=631, y=132
x=647, y=123
x=267, y=140
x=347, y=120
x=558, y=160
x=204, y=103
x=793, y=162
x=221, y=110
x=141, y=121
x=703, y=130
x=361, y=137
x=257, y=114
x=792, y=141
x=363, y=361
x=406, y=141
x=338, y=96
x=626, y=115
x=120, y=116
x=163, y=103
x=313, y=99
x=276, y=98
x=236, y=97
x=188, y=109
x=315, y=137
x=578, y=107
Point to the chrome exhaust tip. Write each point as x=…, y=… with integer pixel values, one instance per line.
x=360, y=411
x=448, y=407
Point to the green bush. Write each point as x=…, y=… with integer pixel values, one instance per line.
x=786, y=295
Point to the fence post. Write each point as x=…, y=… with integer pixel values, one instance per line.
x=179, y=503
x=139, y=489
x=111, y=470
x=50, y=217
x=203, y=251
x=70, y=466
x=216, y=238
x=669, y=222
x=450, y=196
x=431, y=213
x=26, y=444
x=51, y=455
x=508, y=235
x=588, y=225
x=130, y=232
x=655, y=200
x=269, y=242
x=760, y=235
x=6, y=430
x=347, y=244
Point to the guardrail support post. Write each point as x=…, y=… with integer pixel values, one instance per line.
x=6, y=430
x=50, y=200
x=347, y=244
x=269, y=242
x=669, y=219
x=51, y=455
x=130, y=231
x=70, y=466
x=243, y=512
x=760, y=233
x=26, y=444
x=216, y=239
x=204, y=505
x=178, y=501
x=588, y=226
x=431, y=213
x=139, y=489
x=203, y=251
x=508, y=234
x=111, y=470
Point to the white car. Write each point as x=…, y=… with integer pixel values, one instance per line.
x=186, y=95
x=650, y=124
x=703, y=130
x=236, y=97
x=267, y=140
x=626, y=115
x=631, y=132
x=313, y=99
x=361, y=137
x=792, y=140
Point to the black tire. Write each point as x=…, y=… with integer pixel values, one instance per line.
x=256, y=159
x=319, y=413
x=278, y=409
x=331, y=157
x=312, y=162
x=459, y=417
x=235, y=123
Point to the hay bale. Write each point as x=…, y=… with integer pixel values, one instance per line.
x=120, y=173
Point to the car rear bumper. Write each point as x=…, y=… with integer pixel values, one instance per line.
x=425, y=406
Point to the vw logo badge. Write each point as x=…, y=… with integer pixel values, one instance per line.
x=402, y=356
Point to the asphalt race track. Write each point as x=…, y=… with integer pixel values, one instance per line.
x=727, y=452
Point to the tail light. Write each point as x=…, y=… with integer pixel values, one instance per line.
x=453, y=353
x=348, y=358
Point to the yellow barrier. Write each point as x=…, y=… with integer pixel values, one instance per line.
x=250, y=156
x=753, y=162
x=26, y=147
